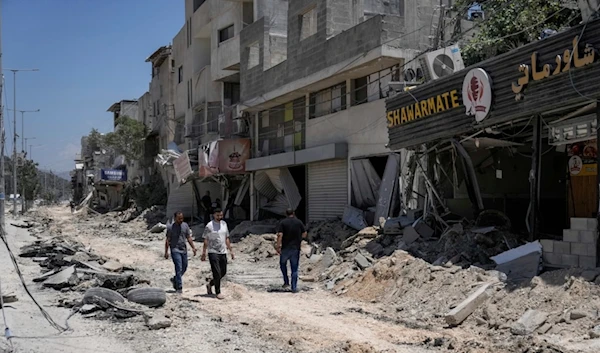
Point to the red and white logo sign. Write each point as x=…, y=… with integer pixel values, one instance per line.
x=477, y=94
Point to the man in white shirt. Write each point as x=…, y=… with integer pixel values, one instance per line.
x=216, y=242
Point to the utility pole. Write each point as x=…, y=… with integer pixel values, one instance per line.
x=15, y=164
x=2, y=191
x=23, y=138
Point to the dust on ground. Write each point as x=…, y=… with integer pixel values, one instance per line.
x=350, y=299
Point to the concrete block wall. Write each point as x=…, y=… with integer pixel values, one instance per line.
x=578, y=247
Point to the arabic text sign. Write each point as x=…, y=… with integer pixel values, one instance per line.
x=562, y=63
x=113, y=174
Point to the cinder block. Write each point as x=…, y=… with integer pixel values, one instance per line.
x=551, y=258
x=547, y=245
x=580, y=249
x=588, y=236
x=562, y=247
x=571, y=235
x=587, y=261
x=584, y=223
x=570, y=260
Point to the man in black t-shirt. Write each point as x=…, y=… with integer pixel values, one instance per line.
x=206, y=207
x=290, y=233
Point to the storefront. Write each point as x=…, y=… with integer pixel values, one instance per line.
x=525, y=123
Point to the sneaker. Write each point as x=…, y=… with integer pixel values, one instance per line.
x=179, y=291
x=209, y=289
x=295, y=290
x=220, y=296
x=286, y=286
x=172, y=279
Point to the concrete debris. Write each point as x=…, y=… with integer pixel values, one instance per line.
x=578, y=314
x=329, y=257
x=361, y=261
x=369, y=232
x=9, y=298
x=590, y=275
x=467, y=307
x=158, y=228
x=89, y=308
x=529, y=322
x=65, y=278
x=595, y=332
x=520, y=263
x=330, y=233
x=253, y=227
x=113, y=266
x=410, y=235
x=158, y=322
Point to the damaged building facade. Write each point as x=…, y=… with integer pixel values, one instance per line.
x=314, y=79
x=516, y=134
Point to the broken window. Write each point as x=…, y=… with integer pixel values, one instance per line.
x=226, y=34
x=308, y=23
x=253, y=55
x=328, y=101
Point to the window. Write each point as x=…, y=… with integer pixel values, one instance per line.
x=253, y=55
x=374, y=86
x=189, y=94
x=308, y=24
x=180, y=74
x=161, y=91
x=247, y=13
x=327, y=101
x=197, y=4
x=231, y=93
x=226, y=33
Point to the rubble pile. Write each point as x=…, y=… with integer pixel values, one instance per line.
x=330, y=233
x=68, y=266
x=259, y=247
x=245, y=228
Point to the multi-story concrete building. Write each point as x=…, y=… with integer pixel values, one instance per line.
x=314, y=77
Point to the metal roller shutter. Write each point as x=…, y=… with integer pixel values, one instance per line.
x=327, y=189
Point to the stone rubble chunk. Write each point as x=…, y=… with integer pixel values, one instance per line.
x=361, y=261
x=65, y=278
x=529, y=322
x=468, y=306
x=158, y=322
x=329, y=257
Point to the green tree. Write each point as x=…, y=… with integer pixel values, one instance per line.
x=127, y=139
x=27, y=178
x=509, y=24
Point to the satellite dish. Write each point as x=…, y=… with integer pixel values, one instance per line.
x=443, y=65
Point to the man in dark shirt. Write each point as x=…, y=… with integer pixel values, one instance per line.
x=178, y=234
x=290, y=233
x=206, y=207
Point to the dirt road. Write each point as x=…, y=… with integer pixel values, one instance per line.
x=255, y=316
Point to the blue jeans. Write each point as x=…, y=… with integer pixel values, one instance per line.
x=293, y=256
x=181, y=263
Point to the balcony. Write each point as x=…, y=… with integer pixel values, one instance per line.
x=225, y=59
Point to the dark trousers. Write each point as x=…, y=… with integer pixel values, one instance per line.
x=218, y=266
x=181, y=263
x=293, y=256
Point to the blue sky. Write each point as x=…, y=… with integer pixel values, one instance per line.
x=90, y=54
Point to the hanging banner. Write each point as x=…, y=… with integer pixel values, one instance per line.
x=183, y=168
x=583, y=158
x=233, y=155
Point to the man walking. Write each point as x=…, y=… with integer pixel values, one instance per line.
x=177, y=234
x=290, y=233
x=216, y=242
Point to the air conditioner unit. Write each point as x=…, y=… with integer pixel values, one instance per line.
x=442, y=62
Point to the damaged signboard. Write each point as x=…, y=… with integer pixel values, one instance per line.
x=113, y=175
x=224, y=157
x=183, y=168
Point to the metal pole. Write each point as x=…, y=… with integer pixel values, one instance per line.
x=22, y=131
x=2, y=191
x=15, y=142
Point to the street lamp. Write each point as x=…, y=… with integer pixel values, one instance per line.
x=14, y=71
x=26, y=139
x=23, y=139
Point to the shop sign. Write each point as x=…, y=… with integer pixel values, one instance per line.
x=583, y=158
x=423, y=108
x=562, y=63
x=477, y=94
x=113, y=175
